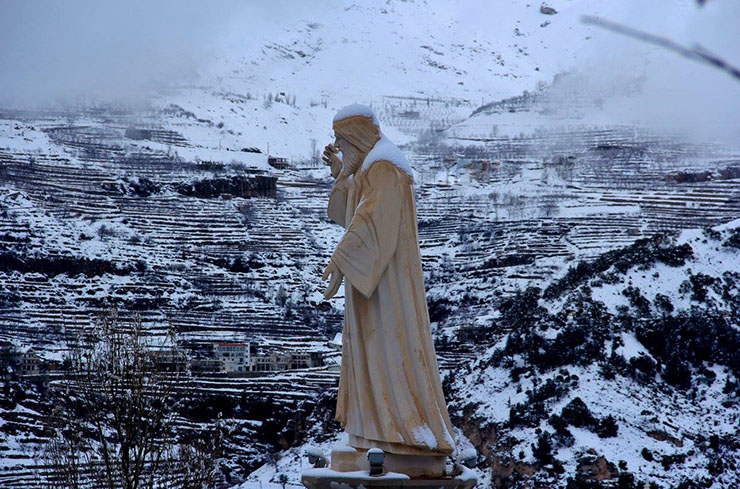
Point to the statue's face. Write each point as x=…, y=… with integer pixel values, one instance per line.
x=352, y=156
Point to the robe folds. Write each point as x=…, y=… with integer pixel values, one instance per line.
x=390, y=393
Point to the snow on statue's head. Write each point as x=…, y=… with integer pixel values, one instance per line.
x=357, y=130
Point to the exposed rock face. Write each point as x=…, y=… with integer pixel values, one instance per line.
x=484, y=436
x=661, y=435
x=51, y=266
x=236, y=186
x=597, y=467
x=505, y=474
x=481, y=433
x=544, y=9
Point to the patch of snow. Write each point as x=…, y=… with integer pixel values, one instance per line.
x=425, y=436
x=353, y=110
x=448, y=437
x=385, y=150
x=631, y=348
x=359, y=474
x=314, y=451
x=337, y=340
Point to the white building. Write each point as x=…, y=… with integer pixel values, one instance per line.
x=234, y=357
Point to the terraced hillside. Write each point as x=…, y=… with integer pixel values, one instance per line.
x=508, y=212
x=92, y=219
x=96, y=214
x=497, y=213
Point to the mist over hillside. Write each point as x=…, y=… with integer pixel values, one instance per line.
x=577, y=191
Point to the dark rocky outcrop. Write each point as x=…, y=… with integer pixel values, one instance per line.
x=237, y=186
x=51, y=266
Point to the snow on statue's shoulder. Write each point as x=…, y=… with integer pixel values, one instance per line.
x=355, y=110
x=385, y=150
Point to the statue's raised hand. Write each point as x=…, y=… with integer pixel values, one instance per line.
x=331, y=158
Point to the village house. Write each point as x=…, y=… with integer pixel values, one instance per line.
x=473, y=333
x=167, y=361
x=25, y=362
x=278, y=163
x=271, y=361
x=234, y=357
x=237, y=358
x=243, y=358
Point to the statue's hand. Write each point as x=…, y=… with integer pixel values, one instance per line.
x=330, y=158
x=335, y=282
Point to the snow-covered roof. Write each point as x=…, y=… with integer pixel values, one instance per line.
x=385, y=150
x=355, y=110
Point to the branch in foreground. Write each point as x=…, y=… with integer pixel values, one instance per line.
x=696, y=52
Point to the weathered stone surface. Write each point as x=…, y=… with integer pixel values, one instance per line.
x=348, y=459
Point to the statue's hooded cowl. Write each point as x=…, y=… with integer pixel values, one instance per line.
x=390, y=393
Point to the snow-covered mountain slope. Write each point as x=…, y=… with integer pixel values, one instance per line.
x=624, y=372
x=632, y=357
x=442, y=48
x=463, y=54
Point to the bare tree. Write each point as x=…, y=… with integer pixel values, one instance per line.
x=114, y=422
x=282, y=480
x=695, y=52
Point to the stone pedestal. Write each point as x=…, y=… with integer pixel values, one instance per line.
x=331, y=479
x=348, y=459
x=350, y=469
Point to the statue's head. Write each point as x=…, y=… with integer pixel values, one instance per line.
x=357, y=130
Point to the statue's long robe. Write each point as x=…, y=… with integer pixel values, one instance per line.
x=390, y=393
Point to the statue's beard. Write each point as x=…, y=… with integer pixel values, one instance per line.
x=351, y=159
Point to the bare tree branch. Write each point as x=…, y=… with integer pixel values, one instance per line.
x=696, y=52
x=117, y=410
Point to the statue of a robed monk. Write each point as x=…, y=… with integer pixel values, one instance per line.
x=390, y=394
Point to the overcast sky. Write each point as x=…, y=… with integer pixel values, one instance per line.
x=54, y=48
x=59, y=50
